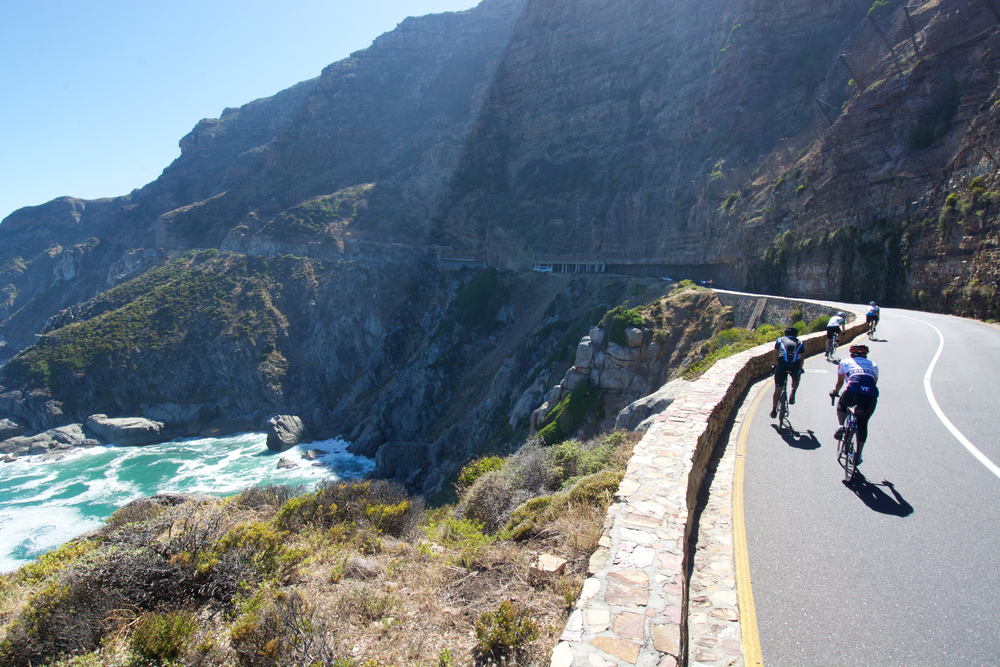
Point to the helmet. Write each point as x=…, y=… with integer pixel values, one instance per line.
x=859, y=350
x=841, y=313
x=792, y=332
x=871, y=303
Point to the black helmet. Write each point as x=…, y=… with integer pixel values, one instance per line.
x=792, y=332
x=859, y=350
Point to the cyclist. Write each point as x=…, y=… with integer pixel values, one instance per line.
x=786, y=359
x=861, y=375
x=834, y=326
x=871, y=317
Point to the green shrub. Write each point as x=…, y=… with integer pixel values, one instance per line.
x=563, y=420
x=488, y=501
x=618, y=319
x=505, y=632
x=476, y=468
x=162, y=637
x=819, y=324
x=801, y=327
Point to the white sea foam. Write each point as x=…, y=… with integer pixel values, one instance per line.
x=44, y=503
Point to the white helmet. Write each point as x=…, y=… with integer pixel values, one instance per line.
x=841, y=313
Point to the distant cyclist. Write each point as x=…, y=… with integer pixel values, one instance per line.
x=871, y=317
x=834, y=327
x=787, y=360
x=861, y=375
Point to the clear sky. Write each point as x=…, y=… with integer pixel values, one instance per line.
x=95, y=94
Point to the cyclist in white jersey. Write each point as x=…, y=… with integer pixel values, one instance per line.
x=834, y=326
x=861, y=375
x=871, y=317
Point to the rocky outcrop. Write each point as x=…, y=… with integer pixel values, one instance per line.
x=125, y=431
x=284, y=432
x=403, y=462
x=633, y=417
x=62, y=438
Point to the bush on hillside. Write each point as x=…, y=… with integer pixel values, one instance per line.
x=619, y=318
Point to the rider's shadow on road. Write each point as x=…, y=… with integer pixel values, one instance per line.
x=793, y=438
x=877, y=499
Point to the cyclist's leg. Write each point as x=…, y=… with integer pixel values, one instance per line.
x=866, y=406
x=846, y=401
x=796, y=375
x=779, y=383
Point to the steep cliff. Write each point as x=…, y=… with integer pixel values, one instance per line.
x=829, y=148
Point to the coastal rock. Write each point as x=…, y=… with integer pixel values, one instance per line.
x=314, y=454
x=62, y=438
x=125, y=431
x=286, y=463
x=10, y=428
x=284, y=432
x=188, y=419
x=401, y=461
x=633, y=415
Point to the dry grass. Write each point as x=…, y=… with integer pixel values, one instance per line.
x=332, y=592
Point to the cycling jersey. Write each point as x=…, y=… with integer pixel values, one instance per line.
x=790, y=350
x=835, y=322
x=873, y=311
x=861, y=375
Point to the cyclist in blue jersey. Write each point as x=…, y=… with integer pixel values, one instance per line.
x=786, y=360
x=871, y=317
x=861, y=375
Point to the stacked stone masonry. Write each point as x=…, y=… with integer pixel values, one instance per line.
x=639, y=607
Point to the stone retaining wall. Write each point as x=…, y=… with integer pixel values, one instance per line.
x=636, y=607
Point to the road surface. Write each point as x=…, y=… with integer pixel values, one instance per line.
x=902, y=567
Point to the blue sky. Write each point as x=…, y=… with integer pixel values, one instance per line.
x=97, y=93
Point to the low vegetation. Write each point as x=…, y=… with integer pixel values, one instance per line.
x=352, y=574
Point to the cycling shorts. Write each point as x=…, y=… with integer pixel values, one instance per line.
x=783, y=369
x=832, y=330
x=871, y=318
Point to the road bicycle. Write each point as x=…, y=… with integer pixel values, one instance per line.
x=845, y=446
x=833, y=347
x=871, y=329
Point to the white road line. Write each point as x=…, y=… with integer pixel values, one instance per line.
x=992, y=467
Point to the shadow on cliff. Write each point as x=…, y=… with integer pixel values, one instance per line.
x=804, y=440
x=877, y=499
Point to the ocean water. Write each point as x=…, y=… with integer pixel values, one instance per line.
x=46, y=503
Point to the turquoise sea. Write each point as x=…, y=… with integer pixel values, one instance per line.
x=46, y=503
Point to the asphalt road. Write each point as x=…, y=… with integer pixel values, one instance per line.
x=901, y=568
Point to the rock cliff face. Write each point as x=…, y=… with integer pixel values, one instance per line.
x=806, y=147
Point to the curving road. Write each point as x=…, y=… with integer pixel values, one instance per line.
x=903, y=567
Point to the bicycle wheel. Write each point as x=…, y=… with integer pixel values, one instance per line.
x=848, y=449
x=782, y=408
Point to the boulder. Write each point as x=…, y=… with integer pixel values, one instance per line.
x=367, y=443
x=633, y=336
x=585, y=352
x=56, y=439
x=597, y=336
x=314, y=454
x=10, y=428
x=125, y=431
x=622, y=357
x=284, y=432
x=189, y=419
x=285, y=463
x=615, y=379
x=401, y=461
x=633, y=416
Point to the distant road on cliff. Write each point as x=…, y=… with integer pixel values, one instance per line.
x=902, y=568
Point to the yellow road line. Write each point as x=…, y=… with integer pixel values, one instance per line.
x=752, y=656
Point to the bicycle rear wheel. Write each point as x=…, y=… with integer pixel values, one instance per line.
x=782, y=408
x=848, y=454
